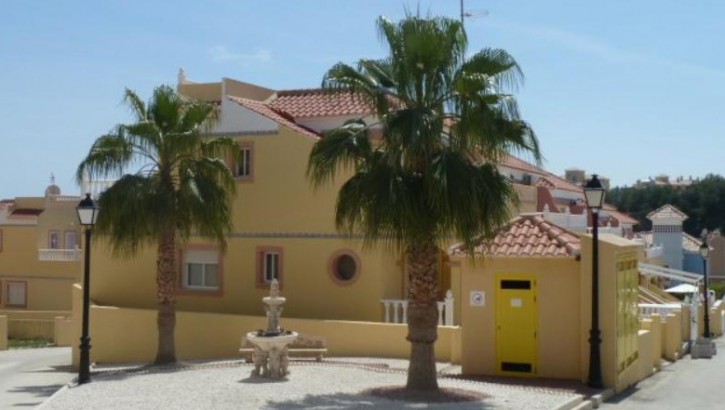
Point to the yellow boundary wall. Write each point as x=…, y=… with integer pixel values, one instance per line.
x=35, y=324
x=3, y=332
x=126, y=335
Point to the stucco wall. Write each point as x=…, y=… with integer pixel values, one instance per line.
x=48, y=283
x=278, y=208
x=610, y=248
x=129, y=335
x=558, y=312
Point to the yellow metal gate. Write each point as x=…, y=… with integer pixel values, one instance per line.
x=516, y=325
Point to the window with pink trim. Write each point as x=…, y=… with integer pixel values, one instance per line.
x=201, y=270
x=344, y=267
x=269, y=265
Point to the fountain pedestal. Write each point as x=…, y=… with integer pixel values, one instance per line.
x=271, y=354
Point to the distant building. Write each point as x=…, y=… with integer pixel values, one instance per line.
x=664, y=180
x=579, y=177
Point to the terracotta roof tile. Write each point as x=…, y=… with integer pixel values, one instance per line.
x=274, y=115
x=552, y=181
x=622, y=217
x=528, y=235
x=26, y=212
x=319, y=103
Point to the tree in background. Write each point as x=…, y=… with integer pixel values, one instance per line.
x=182, y=187
x=702, y=201
x=424, y=183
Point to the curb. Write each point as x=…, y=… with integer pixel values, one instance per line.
x=579, y=402
x=569, y=404
x=57, y=392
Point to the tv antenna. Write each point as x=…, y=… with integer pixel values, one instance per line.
x=471, y=13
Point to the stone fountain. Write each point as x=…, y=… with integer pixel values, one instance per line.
x=270, y=355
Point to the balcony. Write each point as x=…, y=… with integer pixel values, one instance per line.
x=59, y=255
x=396, y=310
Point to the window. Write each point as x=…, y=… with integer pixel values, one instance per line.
x=269, y=265
x=16, y=294
x=53, y=240
x=344, y=267
x=200, y=270
x=71, y=240
x=244, y=168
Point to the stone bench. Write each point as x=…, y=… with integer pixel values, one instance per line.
x=303, y=346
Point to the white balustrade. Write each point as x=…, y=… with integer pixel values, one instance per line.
x=654, y=252
x=663, y=309
x=396, y=310
x=59, y=255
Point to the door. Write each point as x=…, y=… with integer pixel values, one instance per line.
x=516, y=325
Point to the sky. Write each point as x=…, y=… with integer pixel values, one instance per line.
x=626, y=89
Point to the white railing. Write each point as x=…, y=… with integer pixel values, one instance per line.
x=59, y=255
x=663, y=309
x=654, y=252
x=396, y=310
x=572, y=222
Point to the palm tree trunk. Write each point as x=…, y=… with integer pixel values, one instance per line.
x=422, y=315
x=166, y=293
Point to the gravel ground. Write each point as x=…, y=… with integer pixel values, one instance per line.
x=335, y=383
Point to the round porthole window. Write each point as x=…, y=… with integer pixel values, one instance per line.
x=344, y=267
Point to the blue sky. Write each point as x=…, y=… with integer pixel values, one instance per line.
x=628, y=89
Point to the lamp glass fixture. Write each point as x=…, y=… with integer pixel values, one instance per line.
x=87, y=211
x=594, y=193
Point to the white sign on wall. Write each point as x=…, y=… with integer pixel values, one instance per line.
x=478, y=298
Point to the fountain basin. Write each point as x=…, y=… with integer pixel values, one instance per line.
x=268, y=343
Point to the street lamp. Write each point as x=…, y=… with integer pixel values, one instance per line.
x=87, y=214
x=705, y=252
x=594, y=195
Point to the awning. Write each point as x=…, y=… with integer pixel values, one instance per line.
x=682, y=288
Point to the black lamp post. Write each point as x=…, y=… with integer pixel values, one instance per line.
x=705, y=252
x=87, y=214
x=594, y=194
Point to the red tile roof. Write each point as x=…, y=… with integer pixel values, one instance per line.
x=555, y=181
x=26, y=212
x=274, y=115
x=529, y=235
x=622, y=217
x=319, y=103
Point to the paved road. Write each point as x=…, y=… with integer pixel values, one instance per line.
x=29, y=376
x=686, y=384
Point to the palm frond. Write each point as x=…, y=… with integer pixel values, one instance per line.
x=343, y=148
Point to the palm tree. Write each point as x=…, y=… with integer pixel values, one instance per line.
x=182, y=187
x=446, y=121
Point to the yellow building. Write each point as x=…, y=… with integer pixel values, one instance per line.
x=39, y=261
x=284, y=230
x=526, y=304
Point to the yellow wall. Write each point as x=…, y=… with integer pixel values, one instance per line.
x=610, y=249
x=202, y=91
x=558, y=311
x=3, y=332
x=48, y=282
x=132, y=337
x=277, y=209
